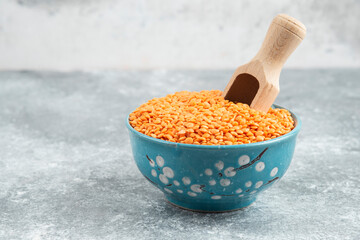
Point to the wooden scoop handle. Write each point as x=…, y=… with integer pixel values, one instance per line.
x=284, y=35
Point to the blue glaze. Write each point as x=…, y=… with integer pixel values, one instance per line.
x=213, y=178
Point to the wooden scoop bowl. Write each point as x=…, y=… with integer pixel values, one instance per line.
x=257, y=82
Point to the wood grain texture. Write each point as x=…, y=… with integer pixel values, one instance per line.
x=283, y=36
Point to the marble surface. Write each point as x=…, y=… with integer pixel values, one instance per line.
x=66, y=169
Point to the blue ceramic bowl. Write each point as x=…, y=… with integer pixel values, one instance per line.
x=213, y=178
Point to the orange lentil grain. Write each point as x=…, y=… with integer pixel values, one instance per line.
x=206, y=118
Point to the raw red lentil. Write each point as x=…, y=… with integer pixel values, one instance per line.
x=206, y=118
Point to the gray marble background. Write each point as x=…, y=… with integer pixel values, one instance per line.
x=66, y=169
x=183, y=34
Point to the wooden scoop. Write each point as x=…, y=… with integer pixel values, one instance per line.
x=257, y=82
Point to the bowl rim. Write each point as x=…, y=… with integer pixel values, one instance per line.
x=290, y=134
